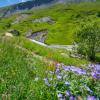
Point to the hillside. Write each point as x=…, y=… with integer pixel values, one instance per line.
x=61, y=21
x=39, y=59
x=5, y=11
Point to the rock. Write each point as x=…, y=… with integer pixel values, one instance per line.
x=20, y=18
x=8, y=34
x=44, y=19
x=38, y=35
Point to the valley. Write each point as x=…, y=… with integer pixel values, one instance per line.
x=46, y=53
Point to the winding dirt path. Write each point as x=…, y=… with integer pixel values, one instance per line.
x=68, y=47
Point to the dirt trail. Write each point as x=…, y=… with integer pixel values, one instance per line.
x=68, y=47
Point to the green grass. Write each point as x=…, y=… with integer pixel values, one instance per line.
x=18, y=70
x=22, y=74
x=49, y=53
x=68, y=19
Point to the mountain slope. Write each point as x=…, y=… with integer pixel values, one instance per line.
x=34, y=3
x=59, y=22
x=22, y=6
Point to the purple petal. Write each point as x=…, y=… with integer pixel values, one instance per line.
x=59, y=77
x=67, y=93
x=67, y=83
x=71, y=98
x=59, y=95
x=91, y=98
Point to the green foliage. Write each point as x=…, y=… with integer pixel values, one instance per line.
x=18, y=70
x=49, y=53
x=89, y=41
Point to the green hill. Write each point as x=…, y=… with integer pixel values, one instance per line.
x=65, y=21
x=34, y=70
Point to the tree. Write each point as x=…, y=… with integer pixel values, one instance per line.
x=88, y=40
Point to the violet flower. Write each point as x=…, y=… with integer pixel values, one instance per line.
x=59, y=77
x=59, y=95
x=67, y=93
x=67, y=83
x=46, y=81
x=57, y=71
x=91, y=98
x=71, y=98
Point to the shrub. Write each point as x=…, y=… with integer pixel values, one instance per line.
x=98, y=14
x=88, y=40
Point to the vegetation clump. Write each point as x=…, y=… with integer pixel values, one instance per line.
x=88, y=40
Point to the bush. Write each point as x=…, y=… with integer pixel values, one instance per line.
x=88, y=40
x=98, y=14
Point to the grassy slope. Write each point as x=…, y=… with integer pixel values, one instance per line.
x=18, y=68
x=21, y=73
x=68, y=18
x=49, y=53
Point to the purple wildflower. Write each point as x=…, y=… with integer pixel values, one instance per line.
x=59, y=77
x=67, y=93
x=78, y=70
x=46, y=81
x=91, y=65
x=57, y=71
x=58, y=64
x=67, y=83
x=71, y=97
x=59, y=95
x=66, y=68
x=95, y=74
x=91, y=98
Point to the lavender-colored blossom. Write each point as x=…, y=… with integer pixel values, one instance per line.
x=66, y=68
x=71, y=97
x=46, y=81
x=59, y=77
x=96, y=71
x=96, y=76
x=58, y=64
x=57, y=71
x=59, y=95
x=91, y=65
x=67, y=93
x=67, y=83
x=75, y=69
x=94, y=66
x=91, y=98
